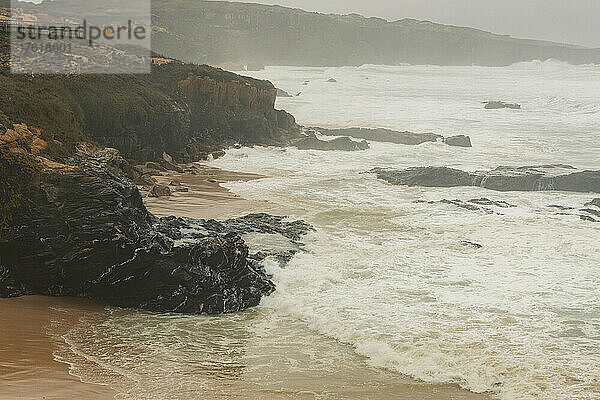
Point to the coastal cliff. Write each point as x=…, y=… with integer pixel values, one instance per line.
x=185, y=110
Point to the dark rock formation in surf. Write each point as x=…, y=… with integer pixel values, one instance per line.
x=311, y=142
x=283, y=93
x=85, y=232
x=595, y=202
x=482, y=204
x=496, y=105
x=458, y=141
x=531, y=178
x=383, y=135
x=397, y=137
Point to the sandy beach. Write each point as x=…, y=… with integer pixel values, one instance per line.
x=31, y=327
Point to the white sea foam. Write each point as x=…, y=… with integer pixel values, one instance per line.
x=388, y=275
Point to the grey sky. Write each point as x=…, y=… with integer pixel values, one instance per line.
x=568, y=21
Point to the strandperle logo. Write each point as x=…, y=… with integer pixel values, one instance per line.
x=76, y=37
x=84, y=31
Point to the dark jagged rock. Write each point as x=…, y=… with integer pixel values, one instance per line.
x=283, y=93
x=85, y=232
x=458, y=141
x=331, y=80
x=425, y=176
x=383, y=135
x=311, y=142
x=496, y=105
x=532, y=178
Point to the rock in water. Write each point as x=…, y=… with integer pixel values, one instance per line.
x=331, y=80
x=383, y=135
x=531, y=178
x=595, y=202
x=86, y=233
x=283, y=93
x=458, y=141
x=495, y=105
x=426, y=176
x=311, y=142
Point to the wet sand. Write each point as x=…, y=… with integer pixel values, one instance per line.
x=31, y=327
x=206, y=199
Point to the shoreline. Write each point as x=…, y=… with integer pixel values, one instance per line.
x=32, y=325
x=30, y=329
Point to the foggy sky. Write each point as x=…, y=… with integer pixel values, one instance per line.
x=565, y=21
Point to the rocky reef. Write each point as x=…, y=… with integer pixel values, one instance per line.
x=530, y=178
x=311, y=142
x=85, y=232
x=458, y=141
x=397, y=137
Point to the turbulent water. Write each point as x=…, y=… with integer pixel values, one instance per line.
x=387, y=287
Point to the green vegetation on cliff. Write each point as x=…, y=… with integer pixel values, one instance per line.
x=143, y=115
x=16, y=172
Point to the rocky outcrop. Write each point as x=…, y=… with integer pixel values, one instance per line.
x=283, y=93
x=383, y=135
x=397, y=137
x=187, y=111
x=85, y=232
x=595, y=202
x=458, y=141
x=496, y=105
x=231, y=95
x=311, y=142
x=531, y=178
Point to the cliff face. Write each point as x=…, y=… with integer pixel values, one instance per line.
x=230, y=95
x=185, y=110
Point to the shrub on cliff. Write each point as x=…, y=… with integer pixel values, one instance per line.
x=16, y=172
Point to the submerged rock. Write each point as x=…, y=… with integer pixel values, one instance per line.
x=86, y=233
x=531, y=178
x=481, y=204
x=495, y=105
x=311, y=142
x=458, y=141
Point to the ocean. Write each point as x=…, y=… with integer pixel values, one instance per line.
x=387, y=292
